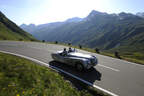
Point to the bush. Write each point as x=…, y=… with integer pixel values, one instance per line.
x=20, y=39
x=32, y=40
x=117, y=55
x=56, y=42
x=97, y=50
x=69, y=44
x=80, y=46
x=4, y=38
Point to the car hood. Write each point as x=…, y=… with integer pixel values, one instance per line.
x=76, y=54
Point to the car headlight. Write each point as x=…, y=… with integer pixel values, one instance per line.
x=88, y=62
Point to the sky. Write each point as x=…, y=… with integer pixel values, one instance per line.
x=46, y=11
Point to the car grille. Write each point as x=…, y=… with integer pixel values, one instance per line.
x=93, y=61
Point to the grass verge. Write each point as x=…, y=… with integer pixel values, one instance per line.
x=135, y=57
x=21, y=77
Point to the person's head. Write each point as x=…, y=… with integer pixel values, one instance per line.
x=64, y=49
x=69, y=48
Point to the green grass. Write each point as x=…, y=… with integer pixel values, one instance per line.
x=10, y=31
x=21, y=77
x=7, y=34
x=135, y=57
x=132, y=56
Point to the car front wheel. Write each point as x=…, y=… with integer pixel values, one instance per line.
x=79, y=67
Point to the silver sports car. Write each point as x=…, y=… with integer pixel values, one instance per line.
x=79, y=60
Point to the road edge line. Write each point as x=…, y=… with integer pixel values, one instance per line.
x=47, y=65
x=108, y=67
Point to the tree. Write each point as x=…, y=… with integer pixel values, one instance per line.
x=80, y=46
x=69, y=44
x=20, y=39
x=56, y=42
x=97, y=50
x=4, y=38
x=117, y=55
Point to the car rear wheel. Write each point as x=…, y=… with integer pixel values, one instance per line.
x=79, y=67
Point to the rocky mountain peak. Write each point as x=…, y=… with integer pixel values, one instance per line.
x=75, y=19
x=140, y=14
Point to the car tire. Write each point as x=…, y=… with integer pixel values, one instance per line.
x=79, y=67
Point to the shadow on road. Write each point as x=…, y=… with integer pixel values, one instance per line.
x=92, y=75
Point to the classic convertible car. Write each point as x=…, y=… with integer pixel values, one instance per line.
x=79, y=60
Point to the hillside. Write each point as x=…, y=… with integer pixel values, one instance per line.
x=10, y=31
x=21, y=77
x=121, y=31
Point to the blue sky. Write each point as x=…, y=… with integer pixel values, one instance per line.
x=45, y=11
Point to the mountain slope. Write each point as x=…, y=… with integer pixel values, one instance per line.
x=10, y=31
x=102, y=30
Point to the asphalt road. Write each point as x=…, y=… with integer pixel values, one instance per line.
x=117, y=76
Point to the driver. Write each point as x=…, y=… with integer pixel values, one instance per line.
x=64, y=53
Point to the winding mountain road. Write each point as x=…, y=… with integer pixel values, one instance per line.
x=114, y=76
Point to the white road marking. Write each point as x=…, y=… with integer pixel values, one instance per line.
x=98, y=64
x=65, y=46
x=101, y=55
x=47, y=65
x=109, y=67
x=136, y=64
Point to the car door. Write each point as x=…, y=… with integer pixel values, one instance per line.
x=60, y=58
x=68, y=60
x=65, y=59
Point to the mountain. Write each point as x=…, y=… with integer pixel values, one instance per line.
x=28, y=28
x=10, y=31
x=37, y=30
x=75, y=19
x=141, y=14
x=32, y=28
x=98, y=29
